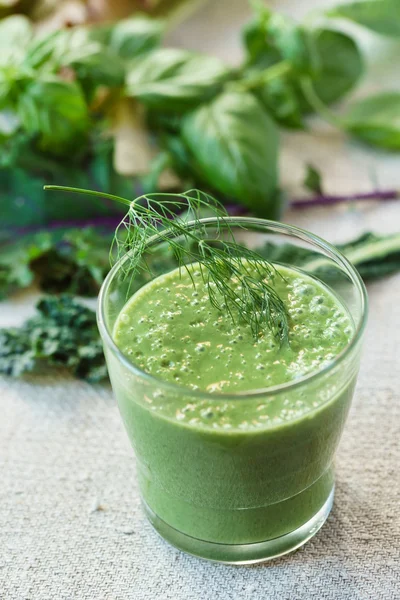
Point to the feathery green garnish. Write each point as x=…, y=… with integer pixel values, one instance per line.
x=236, y=277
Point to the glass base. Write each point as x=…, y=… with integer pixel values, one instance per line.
x=242, y=554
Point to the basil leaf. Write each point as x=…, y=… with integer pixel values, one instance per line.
x=254, y=33
x=261, y=53
x=6, y=87
x=168, y=121
x=134, y=36
x=15, y=34
x=254, y=39
x=56, y=112
x=91, y=61
x=265, y=58
x=178, y=152
x=294, y=43
x=340, y=65
x=376, y=120
x=334, y=63
x=174, y=79
x=235, y=146
x=42, y=51
x=274, y=37
x=380, y=16
x=279, y=96
x=280, y=99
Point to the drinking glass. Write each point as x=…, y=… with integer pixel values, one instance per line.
x=250, y=493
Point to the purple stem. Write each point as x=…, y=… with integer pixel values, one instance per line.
x=325, y=200
x=101, y=222
x=236, y=210
x=110, y=222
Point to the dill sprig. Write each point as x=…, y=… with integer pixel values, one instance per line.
x=236, y=277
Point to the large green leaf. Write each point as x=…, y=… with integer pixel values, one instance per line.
x=56, y=112
x=294, y=43
x=340, y=65
x=175, y=79
x=24, y=203
x=44, y=51
x=334, y=61
x=136, y=35
x=282, y=103
x=254, y=39
x=278, y=95
x=235, y=146
x=6, y=87
x=380, y=16
x=92, y=61
x=273, y=37
x=263, y=59
x=15, y=34
x=376, y=120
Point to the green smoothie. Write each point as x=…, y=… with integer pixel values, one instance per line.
x=232, y=465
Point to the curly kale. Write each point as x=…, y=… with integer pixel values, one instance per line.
x=63, y=334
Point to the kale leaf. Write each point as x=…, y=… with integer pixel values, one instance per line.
x=374, y=256
x=73, y=260
x=63, y=334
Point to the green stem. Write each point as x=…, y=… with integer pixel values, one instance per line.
x=319, y=107
x=62, y=188
x=279, y=70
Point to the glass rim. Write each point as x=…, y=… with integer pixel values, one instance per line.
x=285, y=229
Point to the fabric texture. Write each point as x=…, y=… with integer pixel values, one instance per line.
x=71, y=526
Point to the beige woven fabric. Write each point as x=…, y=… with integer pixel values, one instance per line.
x=71, y=527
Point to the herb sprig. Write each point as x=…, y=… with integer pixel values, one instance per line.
x=238, y=279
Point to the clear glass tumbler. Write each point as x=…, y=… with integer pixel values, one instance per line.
x=250, y=494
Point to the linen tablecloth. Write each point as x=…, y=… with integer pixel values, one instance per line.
x=71, y=527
